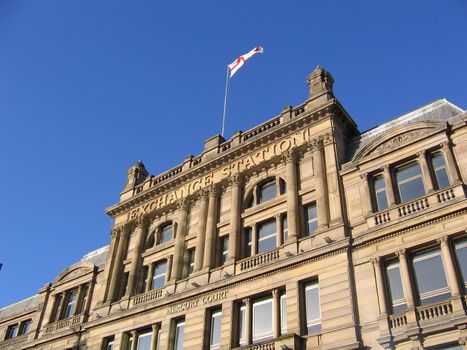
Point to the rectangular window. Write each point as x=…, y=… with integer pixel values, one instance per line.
x=267, y=191
x=312, y=308
x=430, y=277
x=283, y=301
x=160, y=270
x=84, y=300
x=108, y=343
x=285, y=229
x=439, y=168
x=311, y=217
x=124, y=284
x=224, y=249
x=12, y=331
x=267, y=236
x=57, y=307
x=215, y=332
x=70, y=306
x=379, y=190
x=410, y=182
x=144, y=341
x=461, y=255
x=191, y=261
x=25, y=327
x=242, y=325
x=247, y=241
x=179, y=334
x=262, y=320
x=395, y=291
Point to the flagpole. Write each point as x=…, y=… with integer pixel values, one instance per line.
x=225, y=100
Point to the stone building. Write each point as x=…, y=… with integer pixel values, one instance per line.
x=301, y=233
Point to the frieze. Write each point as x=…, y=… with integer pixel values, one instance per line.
x=190, y=304
x=399, y=140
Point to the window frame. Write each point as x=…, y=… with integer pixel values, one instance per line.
x=161, y=236
x=12, y=331
x=398, y=305
x=160, y=275
x=437, y=169
x=310, y=221
x=409, y=180
x=265, y=335
x=270, y=236
x=375, y=192
x=217, y=312
x=315, y=322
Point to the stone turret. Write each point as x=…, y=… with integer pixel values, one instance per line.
x=136, y=175
x=320, y=84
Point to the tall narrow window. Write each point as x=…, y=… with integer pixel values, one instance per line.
x=108, y=343
x=166, y=234
x=57, y=308
x=215, y=332
x=267, y=191
x=312, y=307
x=439, y=168
x=84, y=300
x=191, y=260
x=379, y=190
x=262, y=320
x=12, y=331
x=430, y=277
x=144, y=341
x=311, y=217
x=396, y=293
x=285, y=229
x=124, y=284
x=143, y=279
x=160, y=270
x=461, y=255
x=25, y=326
x=410, y=182
x=70, y=303
x=247, y=241
x=283, y=301
x=267, y=236
x=224, y=251
x=179, y=334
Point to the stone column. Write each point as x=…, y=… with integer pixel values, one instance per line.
x=451, y=163
x=254, y=239
x=316, y=146
x=276, y=314
x=427, y=178
x=389, y=186
x=134, y=340
x=405, y=276
x=155, y=333
x=123, y=233
x=169, y=269
x=366, y=200
x=380, y=285
x=200, y=239
x=292, y=195
x=135, y=266
x=150, y=276
x=179, y=249
x=450, y=267
x=333, y=180
x=109, y=262
x=234, y=233
x=247, y=302
x=211, y=229
x=279, y=230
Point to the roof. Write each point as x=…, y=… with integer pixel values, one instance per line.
x=437, y=111
x=97, y=257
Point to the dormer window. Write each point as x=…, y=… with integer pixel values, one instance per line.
x=166, y=234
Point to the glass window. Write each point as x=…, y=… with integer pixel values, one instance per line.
x=410, y=182
x=160, y=269
x=283, y=314
x=224, y=249
x=191, y=261
x=396, y=293
x=166, y=234
x=439, y=168
x=313, y=309
x=144, y=341
x=56, y=313
x=262, y=320
x=242, y=325
x=430, y=277
x=12, y=331
x=267, y=236
x=285, y=229
x=110, y=345
x=179, y=333
x=461, y=255
x=70, y=303
x=84, y=299
x=215, y=334
x=311, y=217
x=379, y=189
x=247, y=242
x=25, y=327
x=267, y=191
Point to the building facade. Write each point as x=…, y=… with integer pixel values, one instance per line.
x=301, y=233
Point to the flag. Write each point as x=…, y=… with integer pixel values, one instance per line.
x=239, y=62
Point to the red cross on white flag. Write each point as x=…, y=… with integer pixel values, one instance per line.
x=240, y=61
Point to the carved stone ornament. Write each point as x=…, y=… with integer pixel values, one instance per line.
x=399, y=140
x=288, y=156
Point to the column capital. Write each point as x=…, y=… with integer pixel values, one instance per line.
x=364, y=176
x=315, y=144
x=446, y=144
x=275, y=292
x=234, y=180
x=121, y=230
x=246, y=301
x=422, y=153
x=288, y=156
x=375, y=260
x=155, y=327
x=278, y=216
x=443, y=241
x=142, y=221
x=183, y=204
x=328, y=138
x=401, y=253
x=213, y=191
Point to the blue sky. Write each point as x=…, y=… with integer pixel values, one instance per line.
x=89, y=87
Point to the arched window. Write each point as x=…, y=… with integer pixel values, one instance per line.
x=265, y=191
x=166, y=234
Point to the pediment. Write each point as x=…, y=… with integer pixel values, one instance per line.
x=74, y=271
x=396, y=138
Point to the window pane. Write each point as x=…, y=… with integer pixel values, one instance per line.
x=262, y=320
x=430, y=277
x=267, y=191
x=166, y=234
x=313, y=310
x=267, y=236
x=285, y=229
x=224, y=249
x=247, y=242
x=25, y=326
x=241, y=326
x=110, y=345
x=216, y=330
x=396, y=293
x=379, y=188
x=311, y=218
x=439, y=167
x=179, y=333
x=283, y=314
x=191, y=260
x=410, y=182
x=71, y=303
x=158, y=280
x=144, y=341
x=12, y=331
x=461, y=254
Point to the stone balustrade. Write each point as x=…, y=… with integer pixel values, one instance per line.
x=68, y=322
x=259, y=260
x=397, y=320
x=146, y=297
x=434, y=311
x=291, y=341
